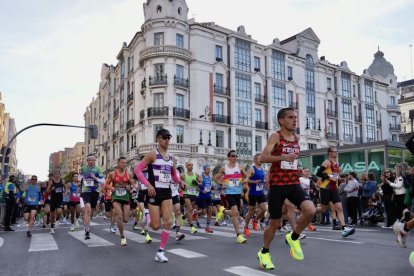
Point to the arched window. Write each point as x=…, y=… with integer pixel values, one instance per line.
x=159, y=9
x=179, y=10
x=309, y=61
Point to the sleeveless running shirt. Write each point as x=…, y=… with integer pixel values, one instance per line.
x=332, y=170
x=59, y=188
x=75, y=192
x=89, y=183
x=159, y=171
x=191, y=188
x=283, y=172
x=120, y=183
x=233, y=180
x=205, y=186
x=33, y=195
x=257, y=189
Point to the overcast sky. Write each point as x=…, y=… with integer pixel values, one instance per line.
x=51, y=51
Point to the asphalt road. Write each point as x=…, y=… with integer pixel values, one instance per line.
x=370, y=251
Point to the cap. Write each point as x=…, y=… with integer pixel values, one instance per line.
x=163, y=132
x=205, y=166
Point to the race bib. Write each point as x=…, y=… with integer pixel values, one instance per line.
x=120, y=191
x=89, y=183
x=192, y=191
x=31, y=199
x=289, y=165
x=164, y=177
x=207, y=188
x=76, y=194
x=259, y=187
x=217, y=196
x=234, y=182
x=58, y=190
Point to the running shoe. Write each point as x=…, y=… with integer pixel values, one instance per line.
x=295, y=249
x=135, y=227
x=77, y=224
x=143, y=232
x=411, y=258
x=310, y=227
x=139, y=216
x=255, y=225
x=44, y=226
x=285, y=229
x=240, y=239
x=193, y=230
x=220, y=213
x=174, y=226
x=194, y=215
x=398, y=228
x=52, y=230
x=265, y=261
x=348, y=231
x=302, y=236
x=123, y=242
x=246, y=231
x=183, y=222
x=208, y=230
x=148, y=238
x=28, y=234
x=112, y=230
x=179, y=236
x=216, y=223
x=160, y=257
x=406, y=215
x=336, y=227
x=72, y=228
x=198, y=225
x=87, y=236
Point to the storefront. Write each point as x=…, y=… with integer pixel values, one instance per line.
x=369, y=157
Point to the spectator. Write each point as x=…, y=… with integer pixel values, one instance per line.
x=352, y=189
x=386, y=192
x=363, y=178
x=399, y=190
x=368, y=191
x=343, y=195
x=9, y=191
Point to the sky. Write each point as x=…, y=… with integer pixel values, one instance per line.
x=51, y=52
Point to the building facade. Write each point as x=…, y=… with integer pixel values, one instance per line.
x=75, y=159
x=406, y=103
x=217, y=89
x=10, y=130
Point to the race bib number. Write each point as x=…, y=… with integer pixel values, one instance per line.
x=217, y=196
x=76, y=194
x=31, y=199
x=192, y=191
x=58, y=190
x=289, y=165
x=234, y=182
x=259, y=187
x=207, y=188
x=164, y=177
x=120, y=191
x=89, y=183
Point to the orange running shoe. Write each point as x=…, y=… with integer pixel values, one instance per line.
x=255, y=225
x=246, y=232
x=311, y=227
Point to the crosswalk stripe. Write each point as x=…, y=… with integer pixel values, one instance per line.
x=216, y=233
x=188, y=237
x=343, y=241
x=1, y=242
x=94, y=241
x=186, y=253
x=93, y=223
x=246, y=271
x=42, y=242
x=136, y=237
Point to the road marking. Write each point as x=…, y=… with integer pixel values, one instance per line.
x=42, y=242
x=1, y=242
x=246, y=271
x=186, y=253
x=187, y=236
x=135, y=237
x=343, y=241
x=94, y=241
x=93, y=223
x=324, y=229
x=216, y=233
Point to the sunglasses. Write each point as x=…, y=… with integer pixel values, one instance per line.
x=233, y=155
x=166, y=137
x=34, y=178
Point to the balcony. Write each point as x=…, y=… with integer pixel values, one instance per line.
x=310, y=110
x=348, y=138
x=293, y=105
x=164, y=50
x=116, y=112
x=181, y=113
x=261, y=125
x=130, y=124
x=115, y=135
x=332, y=113
x=220, y=90
x=157, y=111
x=142, y=114
x=370, y=139
x=218, y=118
x=393, y=108
x=130, y=98
x=359, y=140
x=358, y=118
x=181, y=82
x=395, y=127
x=332, y=136
x=379, y=123
x=175, y=148
x=158, y=80
x=260, y=99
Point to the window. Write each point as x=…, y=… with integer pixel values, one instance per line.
x=369, y=114
x=179, y=71
x=122, y=119
x=392, y=100
x=257, y=90
x=309, y=74
x=132, y=64
x=346, y=85
x=278, y=94
x=369, y=91
x=277, y=65
x=256, y=64
x=330, y=105
x=244, y=143
x=219, y=138
x=179, y=101
x=243, y=86
x=158, y=39
x=219, y=108
x=219, y=80
x=258, y=143
x=394, y=121
x=242, y=59
x=180, y=134
x=347, y=129
x=275, y=110
x=370, y=133
x=244, y=112
x=179, y=40
x=219, y=53
x=258, y=114
x=394, y=138
x=291, y=100
x=159, y=70
x=310, y=103
x=311, y=146
x=311, y=121
x=347, y=109
x=329, y=83
x=156, y=128
x=290, y=73
x=330, y=127
x=158, y=99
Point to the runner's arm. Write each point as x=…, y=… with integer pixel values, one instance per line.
x=148, y=159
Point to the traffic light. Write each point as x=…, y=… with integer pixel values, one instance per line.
x=93, y=131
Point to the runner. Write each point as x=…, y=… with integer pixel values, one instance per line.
x=92, y=177
x=46, y=204
x=66, y=198
x=305, y=182
x=191, y=180
x=203, y=200
x=256, y=184
x=282, y=150
x=329, y=172
x=122, y=181
x=231, y=178
x=175, y=188
x=56, y=188
x=32, y=197
x=107, y=191
x=161, y=171
x=133, y=207
x=143, y=207
x=74, y=189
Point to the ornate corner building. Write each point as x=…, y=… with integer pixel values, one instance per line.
x=216, y=89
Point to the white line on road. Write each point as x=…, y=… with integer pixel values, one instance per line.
x=42, y=242
x=186, y=253
x=187, y=236
x=93, y=223
x=1, y=242
x=136, y=237
x=343, y=241
x=356, y=229
x=246, y=271
x=94, y=241
x=216, y=233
